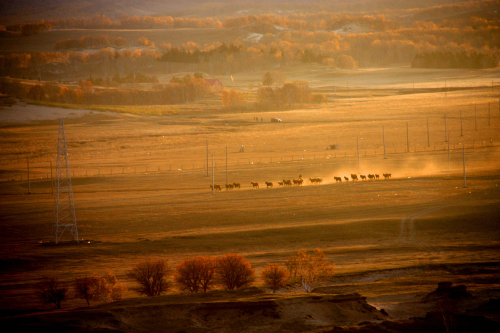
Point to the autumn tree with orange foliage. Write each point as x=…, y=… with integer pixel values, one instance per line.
x=275, y=276
x=234, y=271
x=232, y=98
x=195, y=274
x=310, y=270
x=346, y=61
x=99, y=288
x=143, y=41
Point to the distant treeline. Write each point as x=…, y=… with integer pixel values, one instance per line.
x=454, y=60
x=175, y=54
x=125, y=22
x=104, y=62
x=187, y=90
x=28, y=29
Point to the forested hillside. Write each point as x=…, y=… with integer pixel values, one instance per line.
x=452, y=34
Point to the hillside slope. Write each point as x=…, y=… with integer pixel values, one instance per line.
x=22, y=11
x=249, y=310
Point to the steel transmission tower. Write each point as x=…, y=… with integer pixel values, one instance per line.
x=64, y=206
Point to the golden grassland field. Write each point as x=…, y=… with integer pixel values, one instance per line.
x=141, y=188
x=158, y=109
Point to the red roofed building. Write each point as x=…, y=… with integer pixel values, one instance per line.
x=214, y=83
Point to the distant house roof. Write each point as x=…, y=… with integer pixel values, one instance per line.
x=213, y=82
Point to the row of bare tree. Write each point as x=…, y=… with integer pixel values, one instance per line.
x=231, y=271
x=153, y=277
x=89, y=288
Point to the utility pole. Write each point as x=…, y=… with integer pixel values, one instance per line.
x=461, y=132
x=445, y=135
x=64, y=206
x=475, y=118
x=407, y=139
x=213, y=175
x=465, y=183
x=29, y=185
x=383, y=137
x=207, y=158
x=357, y=149
x=428, y=141
x=226, y=167
x=489, y=114
x=51, y=179
x=448, y=152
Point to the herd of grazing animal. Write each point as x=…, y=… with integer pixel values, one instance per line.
x=354, y=177
x=316, y=180
x=299, y=181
